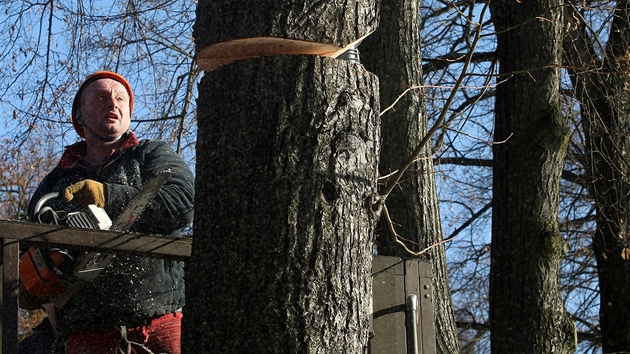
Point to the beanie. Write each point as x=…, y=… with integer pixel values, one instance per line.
x=88, y=80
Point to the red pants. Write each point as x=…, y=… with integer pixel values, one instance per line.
x=161, y=335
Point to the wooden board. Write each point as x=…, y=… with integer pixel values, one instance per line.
x=145, y=244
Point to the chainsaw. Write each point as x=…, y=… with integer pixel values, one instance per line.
x=50, y=273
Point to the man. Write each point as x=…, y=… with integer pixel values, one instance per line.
x=135, y=298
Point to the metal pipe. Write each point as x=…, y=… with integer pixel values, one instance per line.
x=412, y=324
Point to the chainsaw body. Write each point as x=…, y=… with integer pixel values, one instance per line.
x=48, y=273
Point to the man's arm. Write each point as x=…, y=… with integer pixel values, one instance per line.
x=172, y=208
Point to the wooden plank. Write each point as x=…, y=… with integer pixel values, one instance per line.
x=149, y=245
x=10, y=260
x=388, y=306
x=393, y=281
x=157, y=246
x=427, y=320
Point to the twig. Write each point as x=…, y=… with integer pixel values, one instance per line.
x=397, y=241
x=438, y=123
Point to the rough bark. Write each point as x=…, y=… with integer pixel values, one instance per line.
x=287, y=158
x=393, y=53
x=527, y=314
x=330, y=22
x=228, y=31
x=601, y=87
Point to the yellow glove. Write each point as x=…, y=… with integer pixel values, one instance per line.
x=84, y=193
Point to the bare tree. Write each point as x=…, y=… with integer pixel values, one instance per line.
x=600, y=78
x=527, y=313
x=21, y=170
x=412, y=219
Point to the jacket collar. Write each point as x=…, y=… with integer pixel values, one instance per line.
x=76, y=152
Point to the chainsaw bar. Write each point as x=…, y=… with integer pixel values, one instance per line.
x=90, y=265
x=140, y=202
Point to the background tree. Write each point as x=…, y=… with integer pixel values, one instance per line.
x=21, y=169
x=462, y=152
x=464, y=162
x=600, y=79
x=527, y=246
x=412, y=206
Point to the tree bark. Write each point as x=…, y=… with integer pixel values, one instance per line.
x=393, y=53
x=601, y=87
x=336, y=23
x=228, y=31
x=287, y=157
x=527, y=314
x=286, y=177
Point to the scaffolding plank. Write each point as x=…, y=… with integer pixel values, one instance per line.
x=149, y=245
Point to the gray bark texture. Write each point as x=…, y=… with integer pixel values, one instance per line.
x=527, y=313
x=287, y=157
x=393, y=53
x=337, y=23
x=601, y=86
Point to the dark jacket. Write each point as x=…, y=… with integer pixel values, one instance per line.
x=132, y=289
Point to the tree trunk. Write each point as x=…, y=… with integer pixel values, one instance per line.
x=527, y=314
x=287, y=156
x=393, y=54
x=327, y=22
x=602, y=89
x=286, y=171
x=226, y=31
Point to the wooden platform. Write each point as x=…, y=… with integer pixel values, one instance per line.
x=397, y=325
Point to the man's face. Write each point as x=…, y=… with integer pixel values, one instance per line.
x=105, y=108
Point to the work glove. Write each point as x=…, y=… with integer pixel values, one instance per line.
x=85, y=193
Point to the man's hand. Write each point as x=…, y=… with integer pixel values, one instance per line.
x=84, y=193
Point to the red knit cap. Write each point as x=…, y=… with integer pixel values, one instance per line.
x=88, y=80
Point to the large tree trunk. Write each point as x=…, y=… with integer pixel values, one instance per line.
x=393, y=54
x=287, y=158
x=527, y=314
x=602, y=89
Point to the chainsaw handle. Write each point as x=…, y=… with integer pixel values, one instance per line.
x=43, y=200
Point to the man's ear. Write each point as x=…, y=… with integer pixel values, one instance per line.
x=80, y=117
